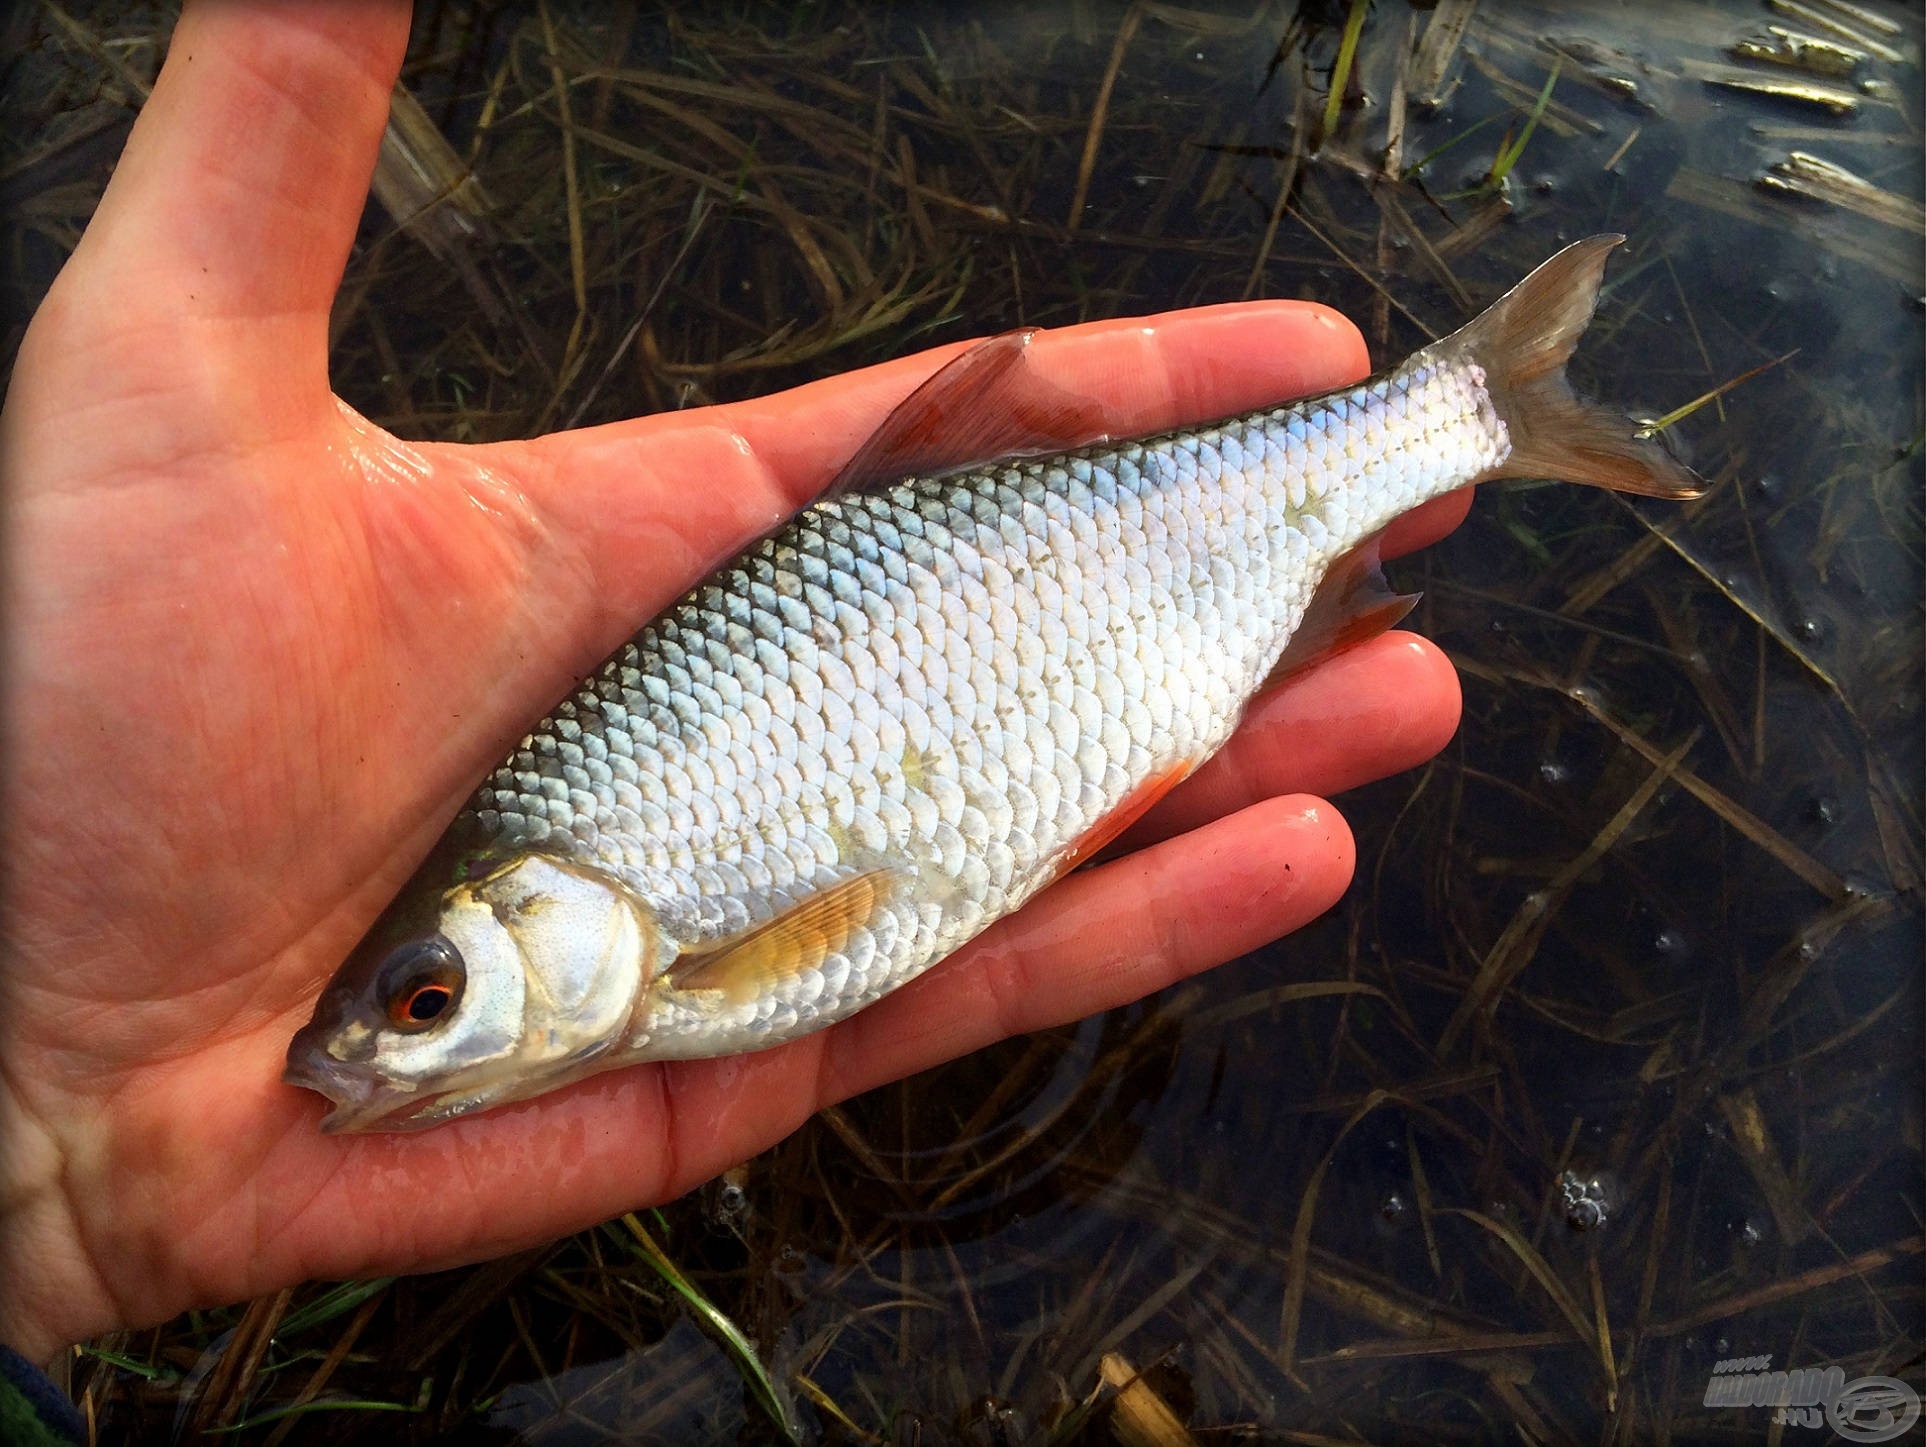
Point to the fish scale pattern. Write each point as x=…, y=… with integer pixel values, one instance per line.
x=956, y=679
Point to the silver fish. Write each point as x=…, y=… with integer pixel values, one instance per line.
x=897, y=719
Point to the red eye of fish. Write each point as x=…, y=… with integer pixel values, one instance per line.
x=419, y=982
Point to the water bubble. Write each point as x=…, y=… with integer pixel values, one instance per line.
x=1393, y=1209
x=1587, y=1202
x=1670, y=943
x=992, y=1422
x=1809, y=630
x=1824, y=810
x=1751, y=1232
x=1553, y=771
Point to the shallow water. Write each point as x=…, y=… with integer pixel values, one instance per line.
x=1312, y=1194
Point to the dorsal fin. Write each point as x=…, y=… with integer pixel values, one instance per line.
x=986, y=404
x=744, y=965
x=1352, y=605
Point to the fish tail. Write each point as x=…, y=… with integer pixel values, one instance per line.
x=1522, y=341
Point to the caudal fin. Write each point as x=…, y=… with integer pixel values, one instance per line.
x=1523, y=341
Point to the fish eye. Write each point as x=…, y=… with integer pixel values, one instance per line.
x=420, y=982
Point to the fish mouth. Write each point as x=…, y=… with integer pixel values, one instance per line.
x=359, y=1103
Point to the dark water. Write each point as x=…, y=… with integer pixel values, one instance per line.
x=1689, y=1111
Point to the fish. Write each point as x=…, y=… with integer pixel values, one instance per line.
x=929, y=695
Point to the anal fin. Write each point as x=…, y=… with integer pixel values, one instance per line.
x=1352, y=605
x=745, y=965
x=1137, y=803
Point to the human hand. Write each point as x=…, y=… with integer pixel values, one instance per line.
x=262, y=651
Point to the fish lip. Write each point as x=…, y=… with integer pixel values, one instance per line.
x=358, y=1102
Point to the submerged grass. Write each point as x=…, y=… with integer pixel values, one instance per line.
x=768, y=1397
x=1607, y=1067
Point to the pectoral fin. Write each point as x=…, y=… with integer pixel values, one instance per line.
x=745, y=965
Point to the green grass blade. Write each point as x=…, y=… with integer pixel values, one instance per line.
x=1508, y=157
x=1341, y=71
x=736, y=1343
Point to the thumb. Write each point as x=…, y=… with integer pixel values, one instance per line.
x=234, y=204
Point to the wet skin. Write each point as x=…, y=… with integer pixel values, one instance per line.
x=261, y=650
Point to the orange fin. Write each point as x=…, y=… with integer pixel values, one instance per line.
x=985, y=404
x=1137, y=803
x=1351, y=606
x=744, y=965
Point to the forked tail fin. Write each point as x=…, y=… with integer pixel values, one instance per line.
x=1523, y=341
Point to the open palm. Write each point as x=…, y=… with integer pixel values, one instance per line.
x=261, y=651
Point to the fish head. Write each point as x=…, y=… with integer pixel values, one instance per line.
x=501, y=987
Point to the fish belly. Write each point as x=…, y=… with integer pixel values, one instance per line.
x=957, y=680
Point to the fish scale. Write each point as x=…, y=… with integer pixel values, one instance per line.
x=892, y=722
x=962, y=675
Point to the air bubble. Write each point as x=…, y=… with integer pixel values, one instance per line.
x=1588, y=1202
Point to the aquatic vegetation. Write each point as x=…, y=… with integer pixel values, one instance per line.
x=1652, y=921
